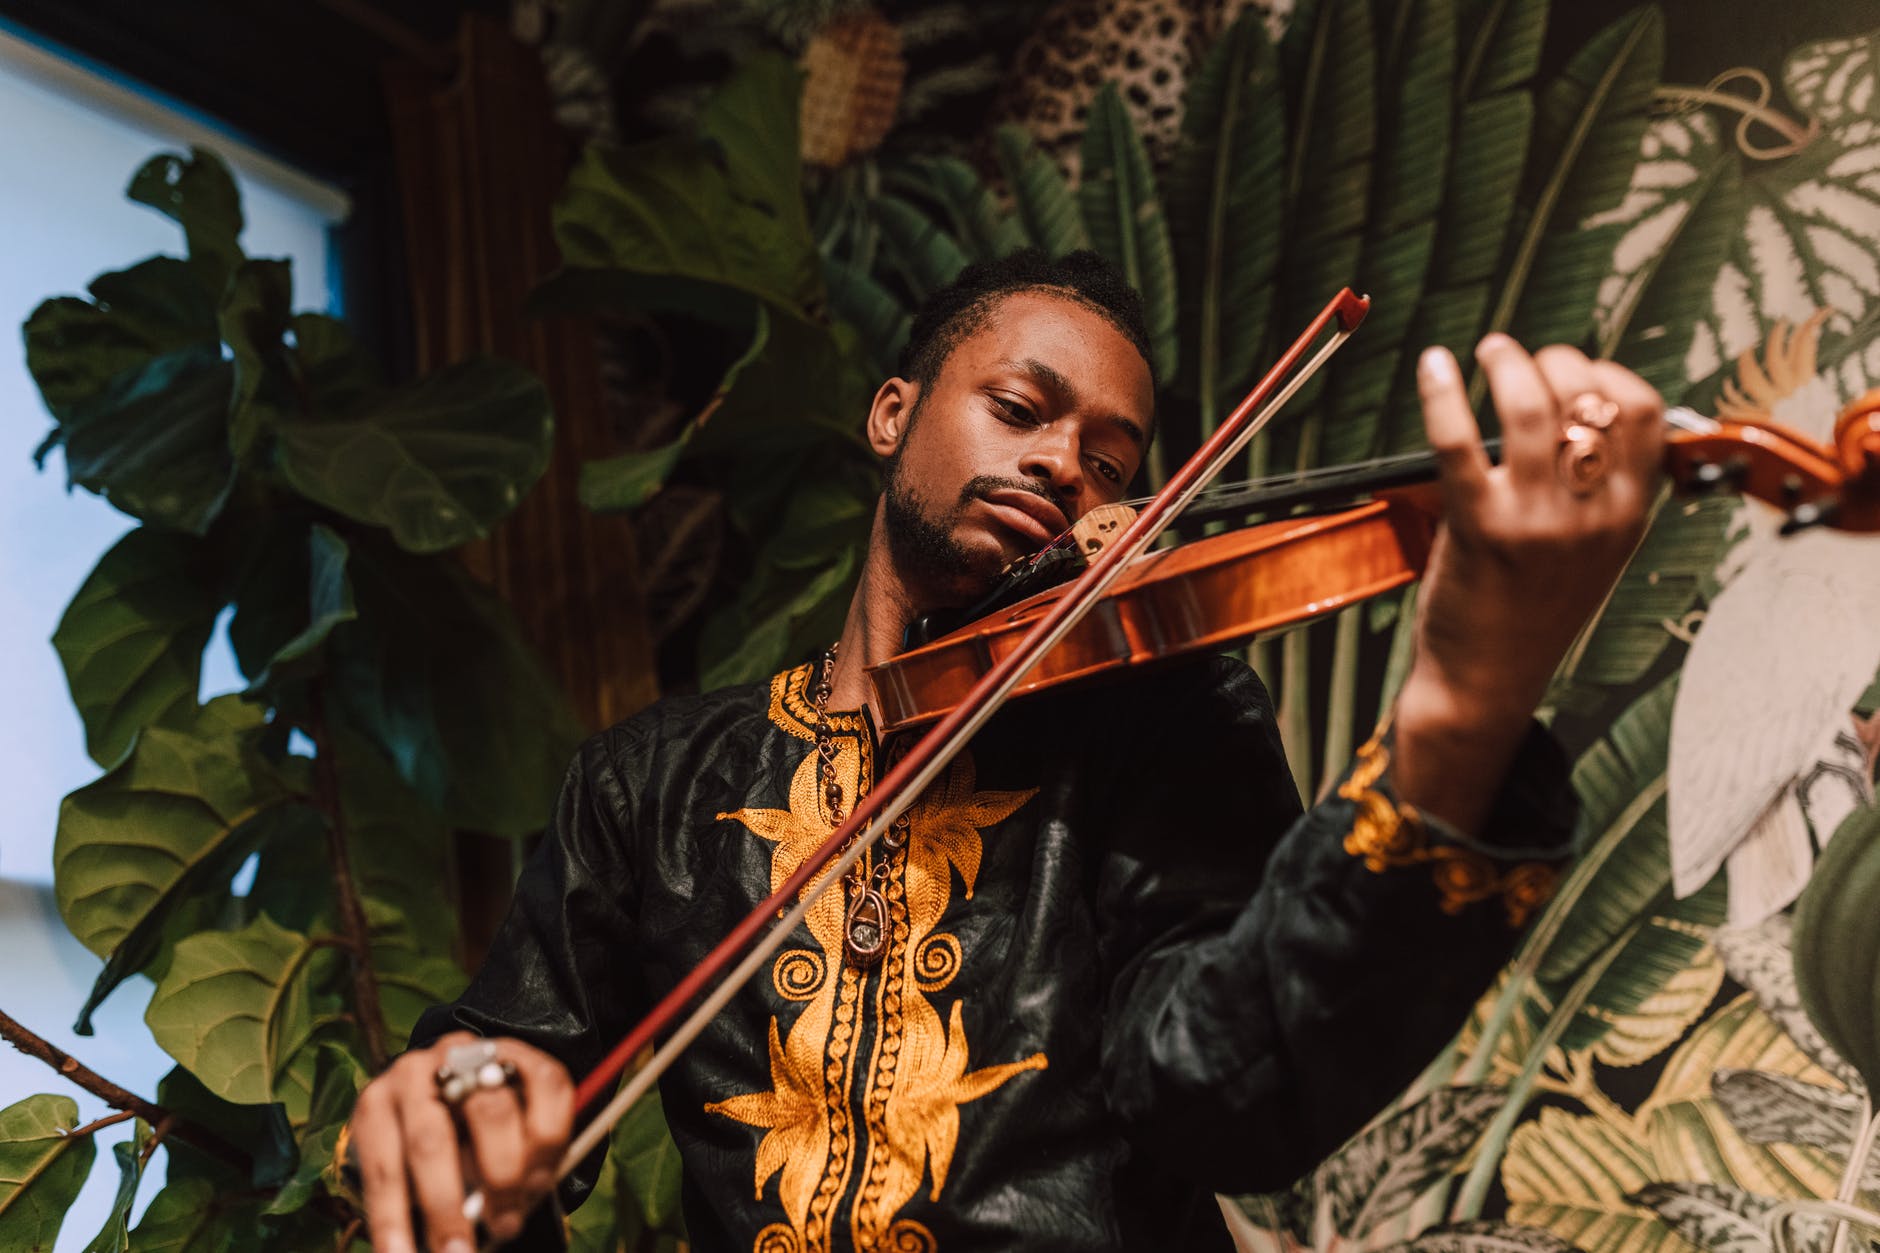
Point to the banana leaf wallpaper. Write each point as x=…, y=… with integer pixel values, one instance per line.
x=1682, y=1052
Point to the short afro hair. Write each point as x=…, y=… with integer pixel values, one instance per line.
x=963, y=306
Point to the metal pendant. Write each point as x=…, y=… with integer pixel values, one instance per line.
x=865, y=929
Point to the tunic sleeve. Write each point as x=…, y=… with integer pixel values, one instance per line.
x=1277, y=977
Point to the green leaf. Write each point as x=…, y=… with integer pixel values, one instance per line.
x=1711, y=1216
x=169, y=823
x=434, y=673
x=924, y=255
x=753, y=120
x=623, y=483
x=413, y=974
x=74, y=347
x=255, y=317
x=1413, y=147
x=437, y=462
x=329, y=603
x=245, y=1010
x=1572, y=1176
x=261, y=1132
x=42, y=1167
x=1837, y=944
x=1124, y=217
x=1224, y=198
x=1331, y=63
x=1503, y=40
x=131, y=641
x=338, y=1080
x=198, y=193
x=1387, y=1166
x=1620, y=781
x=153, y=440
x=1587, y=135
x=1044, y=203
x=972, y=216
x=115, y=1236
x=192, y=1216
x=648, y=1161
x=876, y=314
x=746, y=644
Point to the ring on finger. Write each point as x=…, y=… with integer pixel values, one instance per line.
x=472, y=1067
x=1592, y=411
x=1583, y=459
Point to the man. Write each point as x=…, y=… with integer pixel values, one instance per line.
x=1118, y=969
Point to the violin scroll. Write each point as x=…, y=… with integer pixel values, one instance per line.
x=1836, y=486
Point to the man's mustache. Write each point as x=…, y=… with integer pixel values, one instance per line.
x=980, y=486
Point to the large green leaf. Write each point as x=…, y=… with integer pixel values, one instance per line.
x=1044, y=203
x=1125, y=220
x=329, y=602
x=1502, y=41
x=115, y=1235
x=167, y=825
x=1587, y=135
x=260, y=1133
x=42, y=1167
x=1330, y=57
x=753, y=120
x=1572, y=1176
x=1224, y=197
x=198, y=193
x=1413, y=143
x=131, y=641
x=747, y=643
x=338, y=1080
x=1663, y=948
x=1620, y=780
x=245, y=1011
x=434, y=673
x=153, y=440
x=1837, y=944
x=635, y=1202
x=437, y=462
x=1681, y=222
x=255, y=317
x=1670, y=574
x=414, y=969
x=193, y=1216
x=877, y=315
x=74, y=347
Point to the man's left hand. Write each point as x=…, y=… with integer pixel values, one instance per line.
x=1528, y=551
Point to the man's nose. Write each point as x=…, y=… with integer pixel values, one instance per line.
x=1054, y=460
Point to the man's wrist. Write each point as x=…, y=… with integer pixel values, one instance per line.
x=1452, y=752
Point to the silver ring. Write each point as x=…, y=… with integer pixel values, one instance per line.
x=471, y=1068
x=1583, y=459
x=1591, y=410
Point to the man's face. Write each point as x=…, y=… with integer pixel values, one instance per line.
x=1034, y=419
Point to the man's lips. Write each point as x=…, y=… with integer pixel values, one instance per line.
x=1027, y=513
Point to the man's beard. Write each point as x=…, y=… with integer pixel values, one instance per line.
x=925, y=547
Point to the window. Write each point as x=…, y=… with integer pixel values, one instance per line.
x=71, y=141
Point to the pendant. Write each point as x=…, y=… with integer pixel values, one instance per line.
x=865, y=929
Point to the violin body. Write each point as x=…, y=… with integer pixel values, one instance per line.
x=1207, y=595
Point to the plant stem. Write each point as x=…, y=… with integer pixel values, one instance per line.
x=1858, y=1152
x=1344, y=694
x=352, y=914
x=31, y=1044
x=99, y=1124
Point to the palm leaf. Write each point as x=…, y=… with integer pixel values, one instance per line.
x=973, y=217
x=1125, y=220
x=1044, y=203
x=917, y=247
x=1224, y=205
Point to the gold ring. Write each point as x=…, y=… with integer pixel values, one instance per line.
x=1583, y=462
x=1591, y=410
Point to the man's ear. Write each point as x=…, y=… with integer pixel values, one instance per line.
x=888, y=415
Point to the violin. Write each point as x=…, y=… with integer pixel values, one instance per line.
x=1223, y=590
x=1129, y=606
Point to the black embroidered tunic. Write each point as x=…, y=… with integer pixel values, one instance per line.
x=1123, y=970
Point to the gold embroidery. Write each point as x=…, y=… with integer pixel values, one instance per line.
x=917, y=1076
x=1389, y=835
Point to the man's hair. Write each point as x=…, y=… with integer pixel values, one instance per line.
x=963, y=306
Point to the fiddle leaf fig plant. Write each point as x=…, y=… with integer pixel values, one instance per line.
x=279, y=481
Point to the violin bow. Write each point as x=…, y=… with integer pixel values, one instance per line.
x=744, y=951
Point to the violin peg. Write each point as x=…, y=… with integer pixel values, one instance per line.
x=1707, y=475
x=1811, y=514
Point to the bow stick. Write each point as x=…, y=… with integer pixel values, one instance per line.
x=877, y=811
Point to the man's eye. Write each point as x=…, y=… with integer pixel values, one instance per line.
x=1107, y=470
x=1016, y=411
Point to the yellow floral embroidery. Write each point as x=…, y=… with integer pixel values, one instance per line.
x=1388, y=835
x=917, y=1074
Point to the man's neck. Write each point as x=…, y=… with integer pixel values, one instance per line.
x=878, y=617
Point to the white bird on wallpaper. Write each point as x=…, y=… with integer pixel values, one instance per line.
x=1763, y=743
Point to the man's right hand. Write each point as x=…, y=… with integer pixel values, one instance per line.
x=505, y=1140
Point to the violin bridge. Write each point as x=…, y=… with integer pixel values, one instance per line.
x=1094, y=531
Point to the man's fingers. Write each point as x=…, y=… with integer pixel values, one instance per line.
x=1530, y=421
x=493, y=1118
x=548, y=1117
x=379, y=1148
x=431, y=1160
x=1450, y=423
